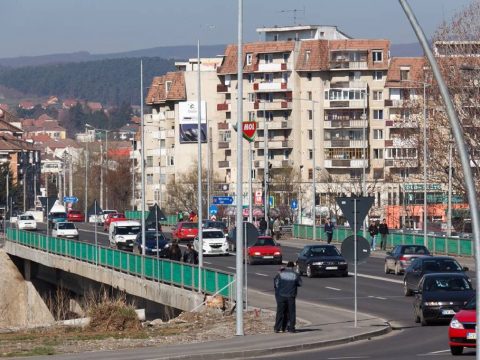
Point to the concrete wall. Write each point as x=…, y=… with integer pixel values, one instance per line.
x=168, y=295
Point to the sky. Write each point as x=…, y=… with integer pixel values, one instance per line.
x=41, y=27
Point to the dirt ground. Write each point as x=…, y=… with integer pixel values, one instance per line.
x=187, y=328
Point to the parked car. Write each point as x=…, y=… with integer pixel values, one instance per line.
x=26, y=222
x=65, y=229
x=440, y=296
x=461, y=332
x=185, y=230
x=112, y=217
x=426, y=265
x=265, y=250
x=214, y=242
x=321, y=260
x=153, y=245
x=75, y=216
x=401, y=256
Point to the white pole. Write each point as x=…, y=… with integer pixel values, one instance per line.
x=71, y=175
x=314, y=184
x=246, y=267
x=265, y=167
x=142, y=162
x=425, y=212
x=449, y=210
x=101, y=176
x=96, y=237
x=250, y=190
x=355, y=260
x=239, y=187
x=86, y=181
x=106, y=168
x=199, y=171
x=364, y=159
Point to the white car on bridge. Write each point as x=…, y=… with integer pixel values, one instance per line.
x=26, y=222
x=65, y=230
x=214, y=242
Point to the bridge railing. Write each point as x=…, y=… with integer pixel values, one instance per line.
x=157, y=269
x=137, y=215
x=454, y=246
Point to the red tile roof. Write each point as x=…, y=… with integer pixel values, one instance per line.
x=5, y=126
x=318, y=59
x=416, y=65
x=157, y=92
x=94, y=106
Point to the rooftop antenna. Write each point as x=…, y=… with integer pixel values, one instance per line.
x=294, y=13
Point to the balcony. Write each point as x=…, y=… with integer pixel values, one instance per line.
x=355, y=104
x=354, y=84
x=346, y=64
x=334, y=124
x=394, y=103
x=274, y=105
x=276, y=125
x=223, y=145
x=402, y=124
x=170, y=114
x=223, y=107
x=271, y=67
x=224, y=164
x=401, y=163
x=346, y=143
x=270, y=86
x=346, y=163
x=274, y=144
x=221, y=88
x=222, y=126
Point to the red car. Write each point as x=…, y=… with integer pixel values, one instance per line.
x=265, y=250
x=461, y=332
x=112, y=217
x=75, y=216
x=185, y=230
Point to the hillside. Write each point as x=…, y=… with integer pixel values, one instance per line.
x=110, y=82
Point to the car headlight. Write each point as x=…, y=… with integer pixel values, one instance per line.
x=318, y=263
x=120, y=238
x=455, y=324
x=277, y=253
x=432, y=303
x=342, y=263
x=256, y=253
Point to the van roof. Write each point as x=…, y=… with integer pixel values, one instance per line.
x=125, y=223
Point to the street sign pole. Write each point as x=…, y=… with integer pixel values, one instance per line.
x=355, y=261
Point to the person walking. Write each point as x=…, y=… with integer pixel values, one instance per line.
x=262, y=226
x=383, y=230
x=175, y=252
x=286, y=283
x=285, y=313
x=329, y=226
x=276, y=228
x=373, y=231
x=190, y=255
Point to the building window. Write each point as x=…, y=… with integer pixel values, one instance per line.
x=249, y=59
x=251, y=78
x=149, y=161
x=404, y=74
x=310, y=114
x=168, y=86
x=275, y=37
x=225, y=136
x=355, y=174
x=378, y=114
x=378, y=174
x=307, y=56
x=378, y=153
x=251, y=116
x=309, y=76
x=251, y=97
x=268, y=58
x=267, y=77
x=378, y=134
x=149, y=179
x=309, y=95
x=378, y=75
x=310, y=174
x=228, y=115
x=378, y=95
x=310, y=134
x=310, y=154
x=285, y=57
x=171, y=160
x=377, y=55
x=285, y=115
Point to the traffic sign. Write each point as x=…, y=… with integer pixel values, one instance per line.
x=271, y=201
x=361, y=204
x=258, y=197
x=223, y=200
x=213, y=209
x=294, y=204
x=249, y=128
x=70, y=199
x=348, y=249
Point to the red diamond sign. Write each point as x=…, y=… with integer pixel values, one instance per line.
x=249, y=130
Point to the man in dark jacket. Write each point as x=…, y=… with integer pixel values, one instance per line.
x=329, y=230
x=262, y=226
x=373, y=231
x=286, y=283
x=383, y=230
x=190, y=255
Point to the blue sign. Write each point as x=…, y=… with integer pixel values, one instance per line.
x=223, y=200
x=213, y=209
x=271, y=201
x=70, y=199
x=294, y=204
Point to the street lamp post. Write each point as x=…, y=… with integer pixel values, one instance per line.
x=199, y=171
x=102, y=204
x=265, y=167
x=449, y=209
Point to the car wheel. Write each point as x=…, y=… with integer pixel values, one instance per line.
x=387, y=269
x=456, y=350
x=297, y=269
x=250, y=260
x=423, y=321
x=397, y=269
x=309, y=271
x=345, y=274
x=406, y=290
x=279, y=262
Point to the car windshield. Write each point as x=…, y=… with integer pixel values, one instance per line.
x=323, y=251
x=471, y=305
x=152, y=236
x=446, y=283
x=265, y=242
x=59, y=215
x=127, y=230
x=213, y=234
x=66, y=226
x=215, y=224
x=189, y=225
x=26, y=217
x=442, y=265
x=417, y=250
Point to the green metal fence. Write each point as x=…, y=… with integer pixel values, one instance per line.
x=161, y=270
x=437, y=244
x=137, y=215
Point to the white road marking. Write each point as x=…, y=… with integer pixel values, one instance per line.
x=348, y=357
x=433, y=353
x=332, y=288
x=206, y=262
x=373, y=277
x=260, y=274
x=377, y=297
x=231, y=267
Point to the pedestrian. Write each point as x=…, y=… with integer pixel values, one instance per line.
x=286, y=283
x=262, y=226
x=373, y=231
x=329, y=226
x=383, y=230
x=175, y=252
x=276, y=228
x=190, y=255
x=285, y=313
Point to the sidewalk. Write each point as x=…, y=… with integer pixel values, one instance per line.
x=326, y=326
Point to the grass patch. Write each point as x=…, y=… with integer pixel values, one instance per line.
x=36, y=351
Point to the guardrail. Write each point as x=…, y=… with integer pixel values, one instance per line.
x=437, y=244
x=137, y=215
x=161, y=270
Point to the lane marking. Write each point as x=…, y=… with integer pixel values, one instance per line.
x=377, y=297
x=206, y=262
x=433, y=353
x=373, y=277
x=260, y=274
x=348, y=357
x=231, y=267
x=332, y=288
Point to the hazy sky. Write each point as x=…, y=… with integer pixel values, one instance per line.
x=37, y=27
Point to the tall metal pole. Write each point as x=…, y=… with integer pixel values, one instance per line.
x=364, y=186
x=142, y=161
x=355, y=260
x=425, y=209
x=96, y=235
x=70, y=163
x=314, y=181
x=101, y=176
x=250, y=202
x=449, y=209
x=106, y=168
x=86, y=182
x=265, y=167
x=460, y=141
x=239, y=187
x=133, y=181
x=199, y=172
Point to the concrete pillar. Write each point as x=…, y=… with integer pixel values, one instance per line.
x=27, y=269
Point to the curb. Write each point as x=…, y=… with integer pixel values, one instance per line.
x=288, y=348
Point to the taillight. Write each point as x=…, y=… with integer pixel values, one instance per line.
x=276, y=253
x=403, y=258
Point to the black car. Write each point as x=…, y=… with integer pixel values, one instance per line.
x=401, y=256
x=151, y=242
x=426, y=265
x=321, y=260
x=440, y=296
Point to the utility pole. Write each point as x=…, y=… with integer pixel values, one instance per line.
x=101, y=176
x=70, y=163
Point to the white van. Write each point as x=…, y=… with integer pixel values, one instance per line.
x=122, y=234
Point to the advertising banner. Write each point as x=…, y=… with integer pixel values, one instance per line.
x=188, y=122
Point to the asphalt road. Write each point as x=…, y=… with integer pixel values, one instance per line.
x=378, y=294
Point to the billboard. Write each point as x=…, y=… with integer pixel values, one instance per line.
x=188, y=122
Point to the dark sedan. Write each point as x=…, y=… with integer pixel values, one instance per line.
x=426, y=265
x=158, y=246
x=401, y=256
x=440, y=296
x=321, y=260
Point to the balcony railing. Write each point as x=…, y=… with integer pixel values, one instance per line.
x=276, y=125
x=345, y=163
x=222, y=126
x=345, y=143
x=270, y=86
x=345, y=124
x=345, y=64
x=271, y=67
x=401, y=163
x=223, y=107
x=274, y=105
x=223, y=145
x=224, y=164
x=355, y=104
x=221, y=88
